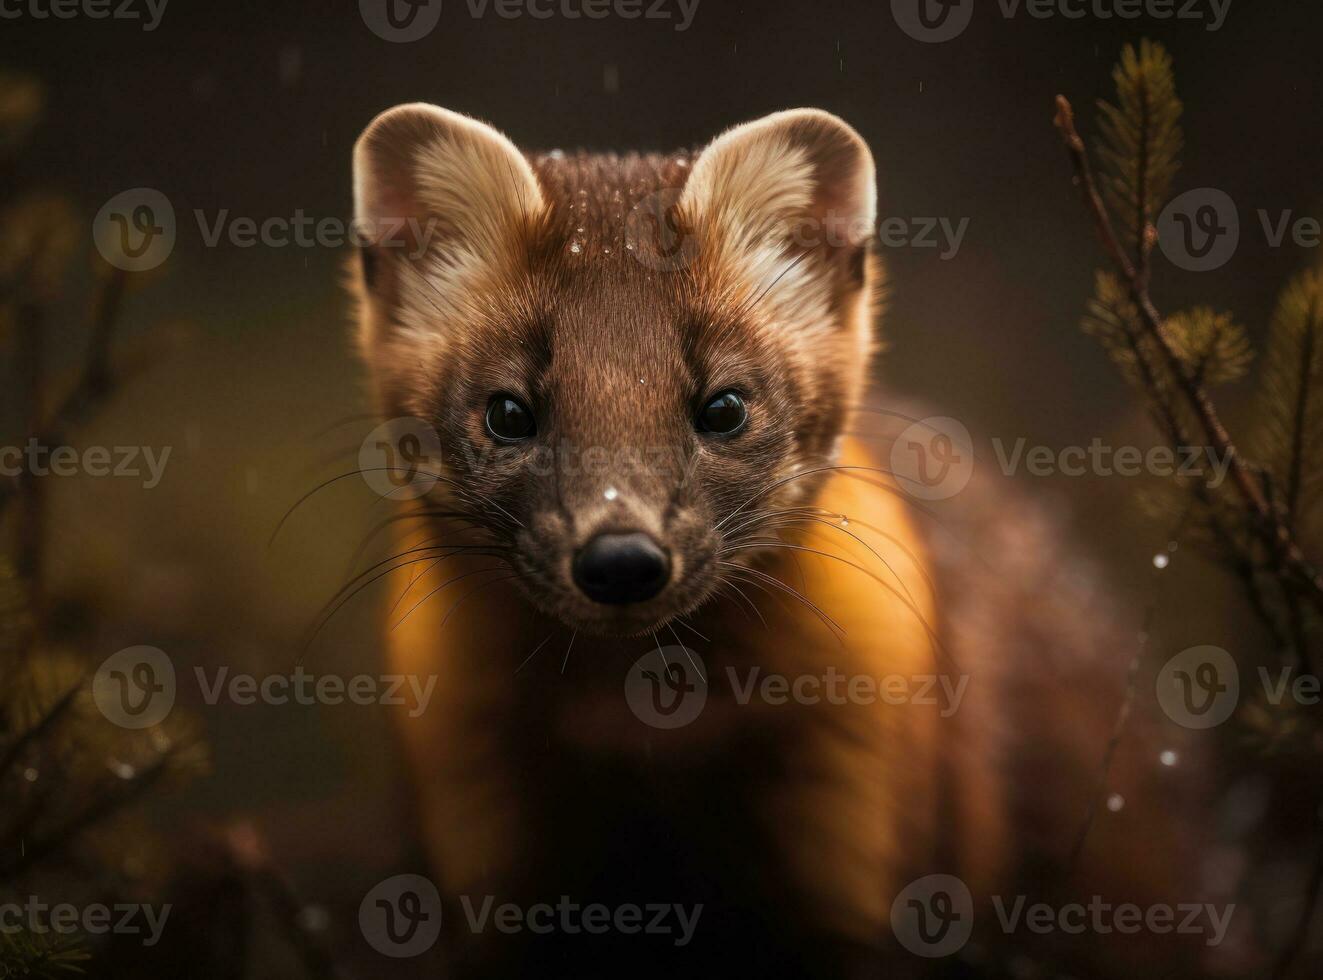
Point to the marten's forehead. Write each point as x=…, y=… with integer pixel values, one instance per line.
x=600, y=205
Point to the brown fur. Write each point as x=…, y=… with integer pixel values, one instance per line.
x=794, y=825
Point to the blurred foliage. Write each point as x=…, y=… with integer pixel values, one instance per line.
x=1291, y=399
x=22, y=102
x=40, y=956
x=1174, y=361
x=1212, y=346
x=68, y=776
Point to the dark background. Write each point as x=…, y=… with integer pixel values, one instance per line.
x=254, y=108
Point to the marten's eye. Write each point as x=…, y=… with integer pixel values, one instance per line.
x=724, y=415
x=509, y=419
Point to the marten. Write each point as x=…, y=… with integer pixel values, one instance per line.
x=649, y=380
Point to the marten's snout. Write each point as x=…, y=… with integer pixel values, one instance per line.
x=616, y=569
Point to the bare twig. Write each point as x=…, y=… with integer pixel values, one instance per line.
x=1109, y=753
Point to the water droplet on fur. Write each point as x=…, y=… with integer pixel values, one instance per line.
x=629, y=246
x=576, y=247
x=642, y=381
x=1161, y=560
x=606, y=251
x=1116, y=803
x=611, y=493
x=556, y=155
x=1169, y=758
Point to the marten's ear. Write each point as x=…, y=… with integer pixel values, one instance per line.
x=790, y=183
x=441, y=195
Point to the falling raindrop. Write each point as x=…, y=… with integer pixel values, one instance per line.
x=1115, y=803
x=611, y=493
x=1169, y=758
x=122, y=769
x=30, y=774
x=1161, y=560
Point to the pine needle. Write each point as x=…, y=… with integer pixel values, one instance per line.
x=1212, y=345
x=1141, y=138
x=1291, y=397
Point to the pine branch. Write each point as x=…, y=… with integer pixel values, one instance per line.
x=1142, y=141
x=1290, y=406
x=44, y=956
x=1267, y=520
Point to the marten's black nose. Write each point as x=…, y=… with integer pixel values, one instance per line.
x=620, y=568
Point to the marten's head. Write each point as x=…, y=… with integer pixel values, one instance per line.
x=633, y=363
